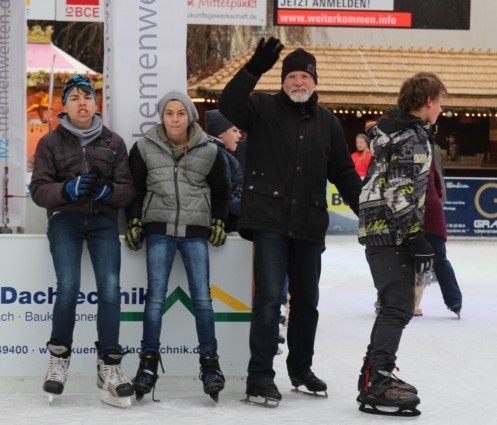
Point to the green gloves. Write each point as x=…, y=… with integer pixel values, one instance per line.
x=135, y=234
x=217, y=236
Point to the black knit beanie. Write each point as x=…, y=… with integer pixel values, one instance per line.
x=299, y=60
x=216, y=123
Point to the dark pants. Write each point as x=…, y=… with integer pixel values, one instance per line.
x=276, y=256
x=393, y=274
x=445, y=273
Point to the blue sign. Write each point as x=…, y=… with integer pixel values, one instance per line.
x=471, y=206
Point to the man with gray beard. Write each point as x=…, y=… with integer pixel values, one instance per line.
x=294, y=146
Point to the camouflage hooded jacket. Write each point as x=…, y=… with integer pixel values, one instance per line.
x=392, y=201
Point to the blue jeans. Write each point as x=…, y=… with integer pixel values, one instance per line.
x=67, y=232
x=445, y=273
x=392, y=269
x=276, y=257
x=161, y=250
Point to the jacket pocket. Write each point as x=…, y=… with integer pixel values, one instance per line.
x=264, y=202
x=102, y=161
x=318, y=215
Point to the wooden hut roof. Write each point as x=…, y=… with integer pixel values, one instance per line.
x=371, y=77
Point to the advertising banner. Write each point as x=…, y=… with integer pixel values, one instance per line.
x=470, y=209
x=227, y=12
x=419, y=14
x=145, y=45
x=342, y=219
x=200, y=12
x=79, y=10
x=27, y=295
x=12, y=114
x=471, y=206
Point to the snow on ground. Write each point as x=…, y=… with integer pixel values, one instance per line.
x=450, y=361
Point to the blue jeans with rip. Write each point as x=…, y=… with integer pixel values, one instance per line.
x=276, y=257
x=67, y=233
x=445, y=273
x=161, y=250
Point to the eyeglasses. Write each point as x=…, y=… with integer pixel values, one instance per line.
x=295, y=77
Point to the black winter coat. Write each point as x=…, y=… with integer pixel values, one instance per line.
x=292, y=150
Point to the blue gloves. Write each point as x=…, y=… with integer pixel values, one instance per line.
x=104, y=192
x=217, y=235
x=89, y=185
x=83, y=185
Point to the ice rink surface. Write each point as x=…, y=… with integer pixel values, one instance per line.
x=451, y=362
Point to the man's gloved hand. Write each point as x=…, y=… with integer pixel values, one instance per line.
x=85, y=184
x=217, y=236
x=423, y=253
x=104, y=192
x=135, y=234
x=265, y=56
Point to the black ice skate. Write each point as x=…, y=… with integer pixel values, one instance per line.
x=146, y=376
x=265, y=389
x=115, y=388
x=366, y=373
x=58, y=365
x=382, y=396
x=315, y=387
x=211, y=375
x=456, y=309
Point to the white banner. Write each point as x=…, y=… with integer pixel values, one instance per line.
x=12, y=113
x=203, y=12
x=227, y=12
x=40, y=9
x=145, y=57
x=27, y=295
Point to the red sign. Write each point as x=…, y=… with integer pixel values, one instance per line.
x=82, y=2
x=345, y=18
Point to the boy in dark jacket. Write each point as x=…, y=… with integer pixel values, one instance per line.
x=391, y=212
x=81, y=176
x=226, y=136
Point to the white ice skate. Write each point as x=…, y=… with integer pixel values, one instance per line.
x=57, y=371
x=115, y=388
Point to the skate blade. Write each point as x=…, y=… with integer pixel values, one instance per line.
x=52, y=398
x=317, y=394
x=108, y=398
x=214, y=396
x=406, y=411
x=267, y=402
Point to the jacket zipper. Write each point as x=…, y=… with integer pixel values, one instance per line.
x=176, y=191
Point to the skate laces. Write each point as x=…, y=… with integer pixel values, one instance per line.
x=113, y=375
x=57, y=369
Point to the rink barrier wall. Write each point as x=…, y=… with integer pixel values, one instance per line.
x=28, y=291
